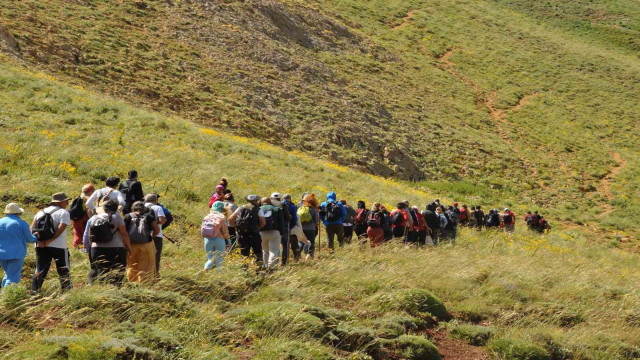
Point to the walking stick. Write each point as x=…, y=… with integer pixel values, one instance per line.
x=319, y=237
x=176, y=243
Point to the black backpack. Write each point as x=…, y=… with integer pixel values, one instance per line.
x=414, y=216
x=270, y=221
x=508, y=219
x=432, y=220
x=76, y=211
x=333, y=211
x=45, y=226
x=397, y=218
x=138, y=228
x=125, y=189
x=373, y=220
x=247, y=220
x=100, y=230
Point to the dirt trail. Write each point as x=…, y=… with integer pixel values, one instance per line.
x=452, y=349
x=405, y=20
x=498, y=115
x=605, y=184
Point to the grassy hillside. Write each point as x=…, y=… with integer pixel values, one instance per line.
x=566, y=295
x=535, y=101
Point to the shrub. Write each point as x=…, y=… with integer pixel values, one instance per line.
x=419, y=302
x=512, y=349
x=473, y=334
x=397, y=325
x=352, y=337
x=416, y=348
x=276, y=319
x=14, y=296
x=274, y=349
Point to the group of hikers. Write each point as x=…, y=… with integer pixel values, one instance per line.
x=121, y=230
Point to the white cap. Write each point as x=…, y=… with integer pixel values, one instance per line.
x=506, y=209
x=276, y=196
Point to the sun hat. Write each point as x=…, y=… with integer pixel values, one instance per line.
x=59, y=197
x=13, y=209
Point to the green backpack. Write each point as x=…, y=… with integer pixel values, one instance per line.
x=305, y=214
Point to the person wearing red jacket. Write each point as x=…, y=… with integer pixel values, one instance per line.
x=509, y=220
x=399, y=221
x=218, y=195
x=421, y=227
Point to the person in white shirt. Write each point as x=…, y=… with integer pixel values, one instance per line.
x=54, y=249
x=151, y=202
x=98, y=197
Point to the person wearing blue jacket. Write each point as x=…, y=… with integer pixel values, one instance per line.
x=293, y=210
x=14, y=236
x=333, y=215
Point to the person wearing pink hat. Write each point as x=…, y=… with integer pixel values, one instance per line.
x=218, y=195
x=15, y=234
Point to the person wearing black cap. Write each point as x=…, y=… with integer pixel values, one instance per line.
x=131, y=189
x=247, y=223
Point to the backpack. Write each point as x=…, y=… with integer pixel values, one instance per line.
x=270, y=221
x=508, y=219
x=167, y=215
x=211, y=226
x=138, y=228
x=45, y=226
x=305, y=214
x=125, y=189
x=432, y=220
x=452, y=219
x=479, y=216
x=414, y=217
x=373, y=220
x=100, y=230
x=464, y=215
x=247, y=220
x=334, y=213
x=361, y=217
x=76, y=211
x=397, y=218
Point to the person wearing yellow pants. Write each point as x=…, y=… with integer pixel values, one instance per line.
x=142, y=228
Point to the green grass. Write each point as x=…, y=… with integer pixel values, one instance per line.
x=334, y=80
x=569, y=293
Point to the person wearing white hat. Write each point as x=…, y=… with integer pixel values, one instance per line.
x=54, y=247
x=14, y=236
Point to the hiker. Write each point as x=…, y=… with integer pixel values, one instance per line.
x=472, y=217
x=99, y=197
x=535, y=221
x=434, y=205
x=333, y=215
x=375, y=230
x=399, y=221
x=348, y=221
x=528, y=218
x=452, y=224
x=142, y=228
x=360, y=220
x=271, y=229
x=79, y=216
x=412, y=225
x=543, y=226
x=310, y=222
x=218, y=195
x=131, y=189
x=493, y=220
x=442, y=221
x=215, y=233
x=225, y=185
x=276, y=200
x=509, y=220
x=433, y=223
x=107, y=237
x=479, y=217
x=14, y=236
x=247, y=224
x=463, y=215
x=51, y=225
x=386, y=223
x=296, y=235
x=230, y=205
x=421, y=227
x=151, y=203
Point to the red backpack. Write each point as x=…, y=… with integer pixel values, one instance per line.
x=464, y=214
x=361, y=217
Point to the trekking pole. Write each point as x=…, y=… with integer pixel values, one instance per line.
x=233, y=245
x=176, y=243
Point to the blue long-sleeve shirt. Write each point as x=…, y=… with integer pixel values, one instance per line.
x=14, y=236
x=331, y=197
